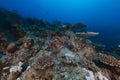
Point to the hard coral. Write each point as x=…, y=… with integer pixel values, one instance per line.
x=88, y=52
x=21, y=55
x=73, y=48
x=84, y=35
x=3, y=44
x=58, y=42
x=109, y=60
x=32, y=74
x=41, y=69
x=11, y=48
x=2, y=65
x=43, y=62
x=28, y=43
x=18, y=32
x=90, y=65
x=15, y=71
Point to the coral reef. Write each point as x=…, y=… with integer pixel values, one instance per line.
x=3, y=43
x=43, y=63
x=15, y=71
x=109, y=60
x=84, y=35
x=11, y=48
x=33, y=49
x=8, y=19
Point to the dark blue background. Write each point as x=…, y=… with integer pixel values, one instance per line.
x=100, y=15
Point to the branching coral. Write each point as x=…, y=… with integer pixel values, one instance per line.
x=109, y=60
x=21, y=55
x=41, y=69
x=43, y=62
x=32, y=74
x=58, y=42
x=90, y=65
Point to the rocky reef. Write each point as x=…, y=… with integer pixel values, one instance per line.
x=33, y=49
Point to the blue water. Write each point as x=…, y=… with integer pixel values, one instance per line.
x=100, y=15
